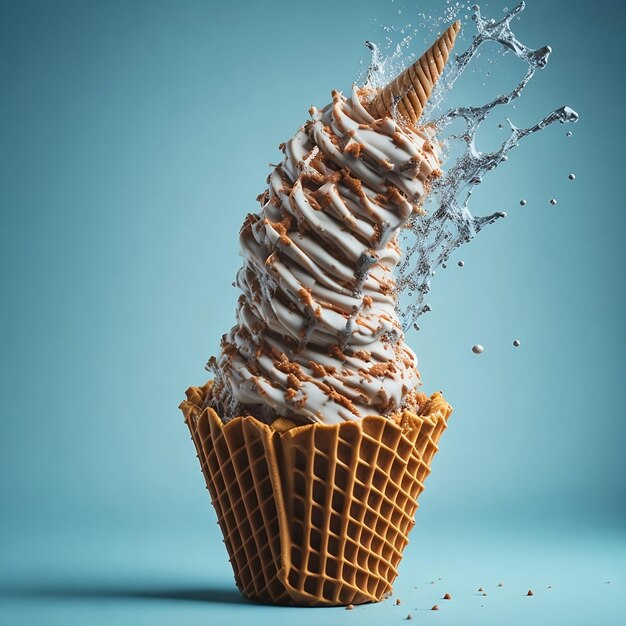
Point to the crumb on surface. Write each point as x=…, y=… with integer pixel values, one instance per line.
x=435, y=607
x=530, y=593
x=447, y=597
x=349, y=607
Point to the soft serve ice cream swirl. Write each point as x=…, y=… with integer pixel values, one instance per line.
x=317, y=335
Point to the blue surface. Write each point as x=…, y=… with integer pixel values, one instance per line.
x=135, y=137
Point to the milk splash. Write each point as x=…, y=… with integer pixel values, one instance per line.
x=429, y=240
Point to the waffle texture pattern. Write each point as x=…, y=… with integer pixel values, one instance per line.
x=317, y=514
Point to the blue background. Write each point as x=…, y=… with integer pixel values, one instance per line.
x=135, y=137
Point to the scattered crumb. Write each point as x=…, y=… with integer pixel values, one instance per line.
x=432, y=582
x=349, y=607
x=549, y=586
x=409, y=616
x=435, y=608
x=480, y=589
x=438, y=578
x=398, y=601
x=500, y=585
x=530, y=593
x=484, y=593
x=447, y=597
x=608, y=582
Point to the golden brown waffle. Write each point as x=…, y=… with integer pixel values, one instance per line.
x=317, y=514
x=413, y=87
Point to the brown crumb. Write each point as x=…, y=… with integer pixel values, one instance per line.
x=435, y=607
x=398, y=601
x=530, y=593
x=354, y=149
x=447, y=597
x=335, y=352
x=480, y=589
x=349, y=607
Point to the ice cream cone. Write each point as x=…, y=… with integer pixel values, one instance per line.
x=318, y=514
x=411, y=89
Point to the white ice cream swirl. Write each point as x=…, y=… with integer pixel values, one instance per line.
x=317, y=336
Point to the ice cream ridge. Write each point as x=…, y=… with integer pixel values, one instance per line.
x=312, y=436
x=317, y=335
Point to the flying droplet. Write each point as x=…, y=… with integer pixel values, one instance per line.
x=502, y=214
x=461, y=263
x=444, y=266
x=522, y=202
x=553, y=201
x=572, y=177
x=477, y=349
x=517, y=343
x=568, y=133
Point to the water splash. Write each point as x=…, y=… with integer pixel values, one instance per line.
x=429, y=240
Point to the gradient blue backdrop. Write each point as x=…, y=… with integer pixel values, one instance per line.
x=135, y=137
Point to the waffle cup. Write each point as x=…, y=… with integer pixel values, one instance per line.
x=315, y=515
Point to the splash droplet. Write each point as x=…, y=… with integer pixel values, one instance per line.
x=568, y=133
x=517, y=343
x=522, y=202
x=553, y=202
x=572, y=176
x=461, y=263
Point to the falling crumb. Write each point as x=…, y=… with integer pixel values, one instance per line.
x=398, y=602
x=349, y=607
x=530, y=593
x=447, y=597
x=484, y=593
x=435, y=607
x=477, y=349
x=500, y=584
x=409, y=616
